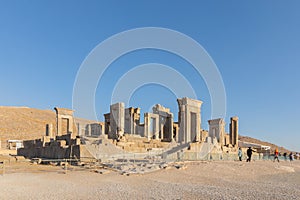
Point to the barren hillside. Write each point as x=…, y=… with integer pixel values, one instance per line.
x=273, y=146
x=24, y=123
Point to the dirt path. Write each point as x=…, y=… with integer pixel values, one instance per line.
x=200, y=180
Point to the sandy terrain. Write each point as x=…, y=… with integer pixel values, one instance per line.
x=200, y=180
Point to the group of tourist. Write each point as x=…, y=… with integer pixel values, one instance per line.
x=291, y=156
x=249, y=154
x=276, y=155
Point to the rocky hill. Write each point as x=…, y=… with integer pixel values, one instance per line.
x=25, y=123
x=273, y=146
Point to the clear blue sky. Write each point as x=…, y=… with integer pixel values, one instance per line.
x=255, y=44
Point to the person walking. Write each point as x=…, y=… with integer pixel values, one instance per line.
x=285, y=156
x=276, y=155
x=240, y=154
x=291, y=156
x=249, y=154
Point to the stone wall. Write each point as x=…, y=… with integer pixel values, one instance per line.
x=61, y=148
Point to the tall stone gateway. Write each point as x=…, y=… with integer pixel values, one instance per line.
x=165, y=122
x=217, y=130
x=234, y=131
x=64, y=122
x=132, y=120
x=151, y=127
x=189, y=119
x=117, y=116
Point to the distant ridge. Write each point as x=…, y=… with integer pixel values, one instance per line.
x=273, y=146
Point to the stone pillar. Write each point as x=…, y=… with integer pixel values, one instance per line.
x=132, y=120
x=175, y=131
x=78, y=129
x=81, y=127
x=226, y=139
x=234, y=131
x=136, y=120
x=89, y=129
x=170, y=121
x=217, y=130
x=189, y=119
x=102, y=126
x=147, y=119
x=117, y=115
x=151, y=130
x=49, y=130
x=107, y=123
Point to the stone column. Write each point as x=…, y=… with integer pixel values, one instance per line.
x=102, y=126
x=117, y=119
x=78, y=129
x=90, y=129
x=49, y=130
x=175, y=131
x=147, y=125
x=132, y=120
x=234, y=131
x=170, y=125
x=107, y=123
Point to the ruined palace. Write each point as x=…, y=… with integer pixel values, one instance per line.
x=160, y=125
x=122, y=131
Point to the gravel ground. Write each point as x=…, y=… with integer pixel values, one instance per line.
x=200, y=180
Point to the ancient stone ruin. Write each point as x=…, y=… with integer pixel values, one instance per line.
x=122, y=133
x=189, y=120
x=64, y=117
x=64, y=144
x=234, y=127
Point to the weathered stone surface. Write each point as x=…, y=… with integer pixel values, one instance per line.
x=49, y=130
x=217, y=130
x=117, y=121
x=165, y=122
x=234, y=131
x=151, y=126
x=64, y=115
x=189, y=119
x=132, y=120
